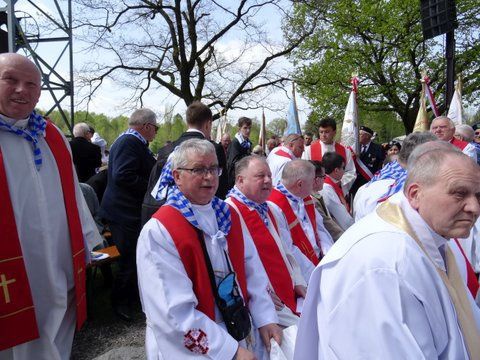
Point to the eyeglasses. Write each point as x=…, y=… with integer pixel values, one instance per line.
x=214, y=170
x=155, y=126
x=477, y=134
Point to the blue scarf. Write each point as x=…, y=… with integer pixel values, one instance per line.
x=262, y=209
x=135, y=133
x=392, y=170
x=177, y=200
x=35, y=127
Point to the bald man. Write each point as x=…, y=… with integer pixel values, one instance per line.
x=46, y=227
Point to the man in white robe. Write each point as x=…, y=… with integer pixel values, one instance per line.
x=327, y=129
x=177, y=327
x=253, y=185
x=34, y=186
x=392, y=299
x=291, y=149
x=292, y=197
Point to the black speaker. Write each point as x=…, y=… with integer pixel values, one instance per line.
x=438, y=17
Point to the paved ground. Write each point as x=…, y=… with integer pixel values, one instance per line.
x=104, y=336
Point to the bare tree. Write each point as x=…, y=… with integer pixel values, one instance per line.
x=181, y=46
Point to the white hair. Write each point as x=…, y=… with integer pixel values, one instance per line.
x=466, y=131
x=142, y=116
x=297, y=170
x=198, y=147
x=81, y=129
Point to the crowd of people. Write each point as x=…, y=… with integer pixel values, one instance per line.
x=371, y=254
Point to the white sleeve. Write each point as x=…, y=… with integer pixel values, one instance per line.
x=350, y=173
x=169, y=302
x=470, y=151
x=336, y=208
x=326, y=240
x=306, y=266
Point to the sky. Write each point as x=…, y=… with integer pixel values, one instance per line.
x=110, y=99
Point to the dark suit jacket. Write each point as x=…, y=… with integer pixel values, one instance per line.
x=86, y=157
x=151, y=205
x=234, y=153
x=129, y=166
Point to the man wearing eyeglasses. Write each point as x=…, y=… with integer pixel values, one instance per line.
x=129, y=167
x=444, y=129
x=291, y=149
x=195, y=228
x=466, y=133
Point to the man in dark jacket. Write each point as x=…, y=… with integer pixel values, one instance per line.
x=240, y=147
x=86, y=156
x=129, y=166
x=199, y=121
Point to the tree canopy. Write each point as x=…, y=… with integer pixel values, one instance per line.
x=216, y=51
x=381, y=41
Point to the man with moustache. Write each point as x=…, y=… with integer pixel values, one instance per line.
x=183, y=317
x=46, y=227
x=410, y=284
x=270, y=233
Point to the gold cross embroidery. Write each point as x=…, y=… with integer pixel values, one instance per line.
x=4, y=284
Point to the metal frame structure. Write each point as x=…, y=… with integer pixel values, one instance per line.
x=59, y=25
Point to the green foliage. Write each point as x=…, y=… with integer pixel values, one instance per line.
x=382, y=41
x=277, y=126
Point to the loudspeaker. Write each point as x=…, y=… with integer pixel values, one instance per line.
x=438, y=17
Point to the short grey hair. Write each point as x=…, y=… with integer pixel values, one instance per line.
x=198, y=147
x=244, y=162
x=412, y=141
x=297, y=170
x=142, y=116
x=443, y=117
x=422, y=149
x=292, y=138
x=426, y=167
x=81, y=129
x=466, y=131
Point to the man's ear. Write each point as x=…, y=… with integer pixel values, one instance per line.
x=176, y=175
x=413, y=194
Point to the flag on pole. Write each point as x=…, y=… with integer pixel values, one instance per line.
x=350, y=121
x=262, y=136
x=429, y=95
x=293, y=123
x=422, y=122
x=455, y=110
x=221, y=127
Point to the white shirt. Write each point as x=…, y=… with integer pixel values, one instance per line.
x=278, y=162
x=335, y=207
x=470, y=151
x=367, y=196
x=168, y=299
x=378, y=299
x=350, y=173
x=37, y=200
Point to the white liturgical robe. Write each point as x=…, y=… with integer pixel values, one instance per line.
x=367, y=196
x=41, y=221
x=377, y=295
x=169, y=302
x=276, y=163
x=336, y=209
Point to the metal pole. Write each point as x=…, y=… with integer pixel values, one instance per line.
x=11, y=26
x=450, y=56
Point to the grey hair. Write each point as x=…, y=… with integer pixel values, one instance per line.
x=81, y=129
x=425, y=169
x=466, y=131
x=422, y=149
x=244, y=162
x=411, y=142
x=297, y=170
x=142, y=116
x=450, y=122
x=198, y=147
x=291, y=138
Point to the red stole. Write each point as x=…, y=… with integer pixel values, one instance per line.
x=17, y=316
x=316, y=151
x=188, y=246
x=269, y=253
x=283, y=153
x=299, y=237
x=472, y=281
x=338, y=191
x=310, y=209
x=458, y=143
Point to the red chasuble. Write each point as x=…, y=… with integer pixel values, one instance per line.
x=299, y=237
x=472, y=281
x=270, y=254
x=188, y=246
x=458, y=143
x=17, y=316
x=338, y=191
x=316, y=151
